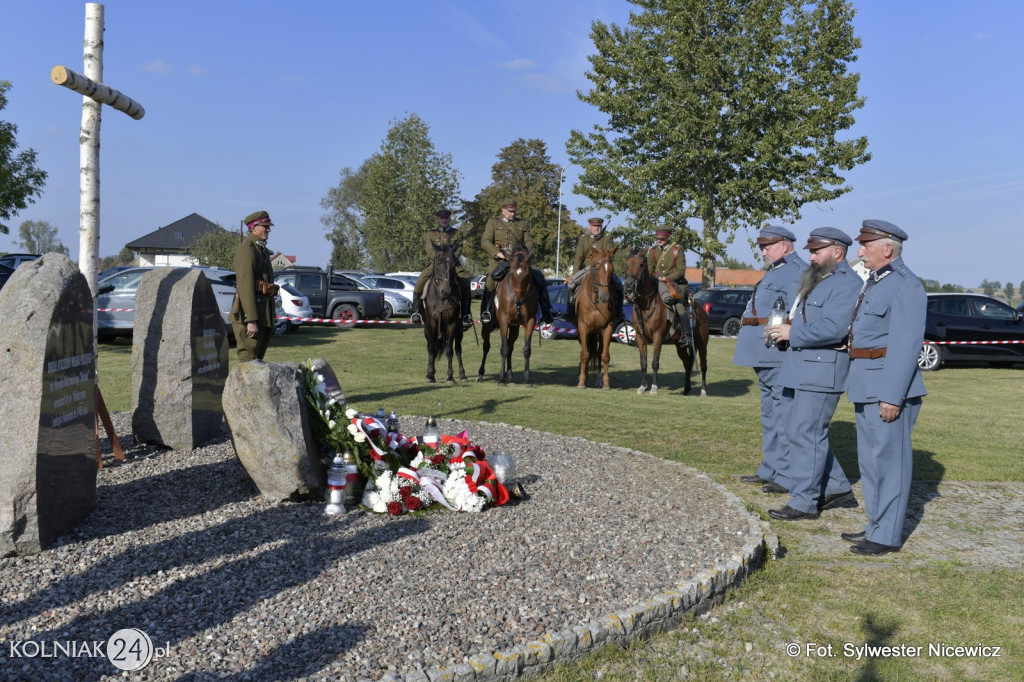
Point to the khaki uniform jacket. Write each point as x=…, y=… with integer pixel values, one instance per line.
x=451, y=237
x=583, y=254
x=669, y=262
x=252, y=263
x=497, y=233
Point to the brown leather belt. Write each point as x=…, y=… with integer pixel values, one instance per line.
x=753, y=321
x=866, y=353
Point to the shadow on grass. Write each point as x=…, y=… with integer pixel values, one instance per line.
x=878, y=632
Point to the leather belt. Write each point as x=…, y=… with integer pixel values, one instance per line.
x=866, y=353
x=754, y=321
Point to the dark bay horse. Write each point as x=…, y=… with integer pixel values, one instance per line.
x=515, y=303
x=595, y=316
x=442, y=308
x=652, y=324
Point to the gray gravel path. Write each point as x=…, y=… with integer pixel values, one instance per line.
x=182, y=547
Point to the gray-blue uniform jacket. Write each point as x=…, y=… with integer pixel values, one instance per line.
x=891, y=316
x=781, y=278
x=814, y=361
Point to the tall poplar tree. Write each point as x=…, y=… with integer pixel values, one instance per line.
x=726, y=111
x=344, y=219
x=524, y=172
x=20, y=180
x=406, y=183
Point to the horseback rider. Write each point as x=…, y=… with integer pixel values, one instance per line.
x=505, y=233
x=444, y=233
x=595, y=238
x=667, y=264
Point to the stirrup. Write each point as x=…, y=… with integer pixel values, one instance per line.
x=416, y=318
x=467, y=320
x=485, y=316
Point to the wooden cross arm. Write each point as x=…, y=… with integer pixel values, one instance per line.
x=98, y=91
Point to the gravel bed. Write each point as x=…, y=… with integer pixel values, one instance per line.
x=181, y=546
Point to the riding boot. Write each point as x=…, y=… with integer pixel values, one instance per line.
x=618, y=296
x=416, y=317
x=543, y=298
x=683, y=323
x=467, y=298
x=485, y=306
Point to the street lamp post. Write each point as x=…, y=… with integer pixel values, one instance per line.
x=558, y=246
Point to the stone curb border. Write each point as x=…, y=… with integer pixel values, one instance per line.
x=656, y=614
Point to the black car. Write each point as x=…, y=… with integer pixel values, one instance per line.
x=5, y=274
x=724, y=306
x=562, y=328
x=971, y=328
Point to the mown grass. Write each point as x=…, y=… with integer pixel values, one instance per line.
x=968, y=431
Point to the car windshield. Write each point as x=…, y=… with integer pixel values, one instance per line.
x=289, y=289
x=124, y=281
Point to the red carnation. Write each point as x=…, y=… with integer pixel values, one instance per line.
x=404, y=492
x=394, y=508
x=413, y=503
x=437, y=459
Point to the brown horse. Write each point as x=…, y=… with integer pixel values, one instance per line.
x=442, y=313
x=515, y=304
x=652, y=324
x=595, y=316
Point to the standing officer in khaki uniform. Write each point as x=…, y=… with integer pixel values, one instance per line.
x=444, y=233
x=668, y=265
x=252, y=313
x=595, y=238
x=507, y=232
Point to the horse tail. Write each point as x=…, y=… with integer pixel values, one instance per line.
x=595, y=348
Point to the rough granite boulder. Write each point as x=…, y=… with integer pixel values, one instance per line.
x=47, y=404
x=265, y=408
x=179, y=359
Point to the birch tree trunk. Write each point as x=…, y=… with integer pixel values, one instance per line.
x=89, y=151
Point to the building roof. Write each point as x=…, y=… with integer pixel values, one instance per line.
x=178, y=236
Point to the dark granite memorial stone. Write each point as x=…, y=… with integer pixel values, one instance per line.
x=47, y=404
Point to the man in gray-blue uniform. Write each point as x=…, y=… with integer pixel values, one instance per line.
x=783, y=268
x=814, y=374
x=885, y=384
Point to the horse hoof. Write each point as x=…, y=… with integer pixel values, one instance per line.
x=480, y=378
x=703, y=393
x=430, y=380
x=654, y=390
x=527, y=385
x=450, y=382
x=640, y=391
x=606, y=388
x=581, y=385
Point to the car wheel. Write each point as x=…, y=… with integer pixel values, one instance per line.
x=930, y=358
x=547, y=332
x=281, y=327
x=625, y=333
x=388, y=311
x=346, y=314
x=732, y=327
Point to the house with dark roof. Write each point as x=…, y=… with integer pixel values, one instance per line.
x=172, y=245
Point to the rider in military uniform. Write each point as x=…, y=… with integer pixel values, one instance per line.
x=595, y=238
x=252, y=313
x=507, y=232
x=667, y=264
x=444, y=233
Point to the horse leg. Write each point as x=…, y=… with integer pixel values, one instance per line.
x=702, y=348
x=641, y=344
x=584, y=333
x=431, y=352
x=606, y=355
x=505, y=375
x=485, y=331
x=656, y=361
x=458, y=354
x=450, y=352
x=527, y=349
x=686, y=355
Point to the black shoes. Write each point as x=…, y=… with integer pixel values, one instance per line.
x=854, y=537
x=787, y=513
x=868, y=548
x=837, y=500
x=753, y=479
x=773, y=487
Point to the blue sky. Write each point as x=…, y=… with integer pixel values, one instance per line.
x=259, y=105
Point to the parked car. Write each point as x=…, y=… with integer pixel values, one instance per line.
x=113, y=270
x=334, y=295
x=971, y=317
x=5, y=274
x=724, y=306
x=293, y=303
x=395, y=285
x=562, y=328
x=118, y=292
x=476, y=286
x=13, y=260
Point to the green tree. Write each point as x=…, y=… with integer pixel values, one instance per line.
x=406, y=183
x=344, y=219
x=20, y=180
x=1009, y=291
x=39, y=236
x=215, y=249
x=727, y=111
x=124, y=257
x=524, y=172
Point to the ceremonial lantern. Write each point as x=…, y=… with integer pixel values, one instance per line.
x=776, y=317
x=336, y=479
x=381, y=415
x=431, y=434
x=504, y=467
x=393, y=423
x=351, y=478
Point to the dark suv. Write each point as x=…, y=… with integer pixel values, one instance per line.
x=960, y=321
x=724, y=306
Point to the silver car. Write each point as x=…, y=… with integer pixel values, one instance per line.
x=394, y=285
x=291, y=303
x=116, y=306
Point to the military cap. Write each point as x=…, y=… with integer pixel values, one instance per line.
x=828, y=236
x=773, y=234
x=444, y=213
x=258, y=218
x=663, y=232
x=873, y=229
x=596, y=221
x=508, y=203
